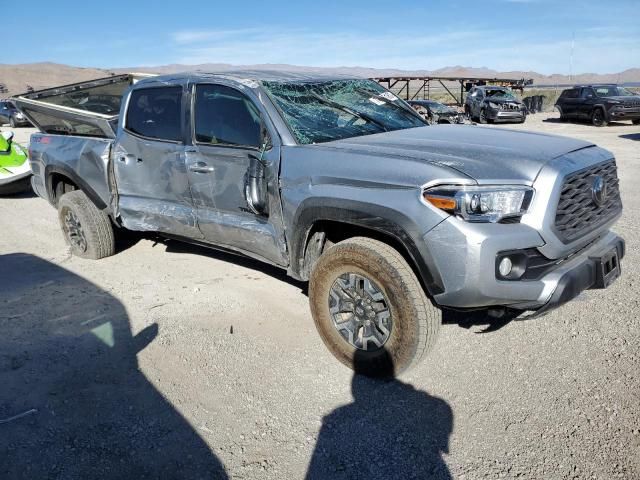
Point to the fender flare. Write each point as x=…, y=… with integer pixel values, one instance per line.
x=385, y=221
x=50, y=170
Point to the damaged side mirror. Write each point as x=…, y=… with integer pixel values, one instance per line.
x=256, y=186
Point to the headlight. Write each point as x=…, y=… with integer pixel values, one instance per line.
x=491, y=203
x=494, y=105
x=19, y=115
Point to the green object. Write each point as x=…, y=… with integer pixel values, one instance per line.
x=12, y=155
x=15, y=170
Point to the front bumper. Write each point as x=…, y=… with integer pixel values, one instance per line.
x=505, y=115
x=624, y=114
x=465, y=256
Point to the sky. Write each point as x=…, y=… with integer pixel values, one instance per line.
x=504, y=35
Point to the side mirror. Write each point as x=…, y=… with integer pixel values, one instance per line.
x=265, y=138
x=8, y=136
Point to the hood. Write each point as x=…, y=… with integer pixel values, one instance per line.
x=482, y=153
x=627, y=100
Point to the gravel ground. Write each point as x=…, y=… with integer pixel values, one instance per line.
x=171, y=361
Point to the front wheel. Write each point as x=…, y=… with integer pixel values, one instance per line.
x=370, y=309
x=598, y=118
x=87, y=230
x=12, y=122
x=483, y=117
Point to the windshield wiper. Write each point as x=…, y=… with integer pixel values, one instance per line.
x=350, y=111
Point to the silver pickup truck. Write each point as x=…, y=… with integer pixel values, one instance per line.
x=342, y=184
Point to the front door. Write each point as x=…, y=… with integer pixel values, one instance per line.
x=227, y=127
x=149, y=164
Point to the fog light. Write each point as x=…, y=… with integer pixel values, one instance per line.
x=505, y=267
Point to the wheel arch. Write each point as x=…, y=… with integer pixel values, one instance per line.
x=60, y=180
x=318, y=221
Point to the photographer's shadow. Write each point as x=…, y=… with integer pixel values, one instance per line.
x=73, y=402
x=390, y=430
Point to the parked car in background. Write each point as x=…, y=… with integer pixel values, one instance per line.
x=494, y=104
x=11, y=115
x=599, y=104
x=435, y=112
x=343, y=185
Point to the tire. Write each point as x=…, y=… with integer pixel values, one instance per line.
x=16, y=187
x=413, y=321
x=636, y=121
x=598, y=118
x=86, y=229
x=12, y=122
x=483, y=117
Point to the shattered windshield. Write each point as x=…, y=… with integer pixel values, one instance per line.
x=319, y=112
x=613, y=91
x=500, y=94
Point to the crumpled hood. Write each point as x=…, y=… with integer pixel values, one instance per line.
x=482, y=153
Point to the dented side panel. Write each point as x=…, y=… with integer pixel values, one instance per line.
x=84, y=161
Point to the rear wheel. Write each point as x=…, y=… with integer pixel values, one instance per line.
x=87, y=230
x=370, y=309
x=598, y=118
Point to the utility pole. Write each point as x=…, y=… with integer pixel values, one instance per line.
x=573, y=41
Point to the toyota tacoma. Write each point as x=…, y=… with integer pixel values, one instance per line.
x=341, y=183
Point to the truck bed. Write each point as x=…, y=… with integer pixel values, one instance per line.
x=89, y=109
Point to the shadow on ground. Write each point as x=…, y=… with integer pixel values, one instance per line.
x=68, y=364
x=390, y=430
x=479, y=318
x=178, y=247
x=631, y=136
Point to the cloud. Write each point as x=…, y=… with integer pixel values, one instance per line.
x=604, y=51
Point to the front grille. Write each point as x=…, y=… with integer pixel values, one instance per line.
x=578, y=213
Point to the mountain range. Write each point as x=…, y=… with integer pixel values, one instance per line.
x=18, y=78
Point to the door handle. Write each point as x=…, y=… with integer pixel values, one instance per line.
x=124, y=158
x=201, y=167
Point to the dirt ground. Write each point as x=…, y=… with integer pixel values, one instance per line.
x=171, y=361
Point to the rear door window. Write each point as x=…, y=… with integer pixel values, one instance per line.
x=586, y=92
x=573, y=93
x=226, y=117
x=155, y=113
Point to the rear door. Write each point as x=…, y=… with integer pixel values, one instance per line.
x=149, y=164
x=586, y=103
x=226, y=132
x=570, y=104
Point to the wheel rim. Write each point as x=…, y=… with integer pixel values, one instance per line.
x=74, y=231
x=597, y=117
x=360, y=311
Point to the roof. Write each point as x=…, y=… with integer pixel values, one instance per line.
x=595, y=85
x=255, y=75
